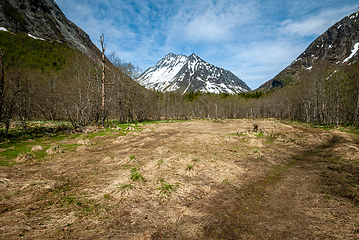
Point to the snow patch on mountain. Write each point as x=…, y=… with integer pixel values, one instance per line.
x=354, y=51
x=157, y=77
x=37, y=38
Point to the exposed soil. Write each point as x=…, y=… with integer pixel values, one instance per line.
x=189, y=180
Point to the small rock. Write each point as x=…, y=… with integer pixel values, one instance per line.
x=147, y=130
x=54, y=150
x=23, y=158
x=130, y=129
x=85, y=142
x=37, y=148
x=133, y=125
x=81, y=148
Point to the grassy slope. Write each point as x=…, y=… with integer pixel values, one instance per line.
x=23, y=51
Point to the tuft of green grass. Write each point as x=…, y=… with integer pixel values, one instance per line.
x=226, y=182
x=132, y=157
x=328, y=197
x=260, y=134
x=166, y=189
x=69, y=200
x=135, y=175
x=189, y=168
x=160, y=162
x=195, y=159
x=126, y=186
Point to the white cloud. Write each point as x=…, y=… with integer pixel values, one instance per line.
x=260, y=61
x=211, y=21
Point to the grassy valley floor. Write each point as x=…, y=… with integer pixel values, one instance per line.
x=197, y=179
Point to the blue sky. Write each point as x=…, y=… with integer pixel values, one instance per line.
x=254, y=39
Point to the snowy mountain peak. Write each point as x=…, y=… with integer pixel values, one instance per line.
x=170, y=60
x=187, y=74
x=194, y=56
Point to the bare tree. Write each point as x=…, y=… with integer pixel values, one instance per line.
x=2, y=83
x=103, y=48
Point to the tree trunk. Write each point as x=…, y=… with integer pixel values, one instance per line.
x=356, y=117
x=103, y=46
x=2, y=83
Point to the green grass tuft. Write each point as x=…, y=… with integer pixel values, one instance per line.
x=189, y=168
x=166, y=189
x=126, y=186
x=135, y=175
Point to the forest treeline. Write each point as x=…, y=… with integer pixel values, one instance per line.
x=72, y=91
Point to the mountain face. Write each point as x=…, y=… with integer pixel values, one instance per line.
x=43, y=19
x=338, y=45
x=190, y=74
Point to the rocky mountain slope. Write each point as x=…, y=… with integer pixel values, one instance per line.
x=43, y=19
x=338, y=45
x=190, y=74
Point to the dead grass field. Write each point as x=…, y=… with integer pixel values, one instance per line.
x=187, y=180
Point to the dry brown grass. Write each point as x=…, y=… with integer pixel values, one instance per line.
x=201, y=180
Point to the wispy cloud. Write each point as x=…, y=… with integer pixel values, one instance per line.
x=210, y=21
x=313, y=25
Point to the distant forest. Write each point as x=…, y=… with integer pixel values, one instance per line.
x=51, y=81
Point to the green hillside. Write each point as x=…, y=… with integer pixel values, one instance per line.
x=20, y=50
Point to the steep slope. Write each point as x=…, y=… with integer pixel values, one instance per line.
x=43, y=19
x=190, y=74
x=338, y=45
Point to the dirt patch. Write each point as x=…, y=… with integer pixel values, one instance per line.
x=189, y=180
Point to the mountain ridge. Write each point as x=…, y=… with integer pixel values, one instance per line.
x=338, y=45
x=43, y=19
